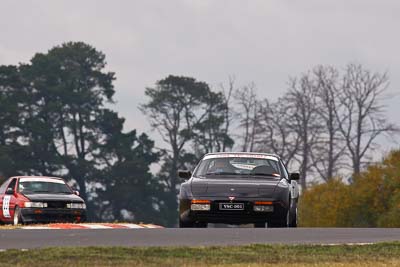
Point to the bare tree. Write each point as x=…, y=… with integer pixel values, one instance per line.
x=229, y=115
x=323, y=119
x=360, y=113
x=274, y=132
x=301, y=105
x=248, y=115
x=330, y=149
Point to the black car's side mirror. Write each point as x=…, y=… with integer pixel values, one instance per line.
x=184, y=174
x=294, y=176
x=9, y=191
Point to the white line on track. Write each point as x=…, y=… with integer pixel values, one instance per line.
x=347, y=244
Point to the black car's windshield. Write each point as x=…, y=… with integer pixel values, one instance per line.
x=219, y=165
x=43, y=186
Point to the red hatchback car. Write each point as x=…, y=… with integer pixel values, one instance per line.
x=31, y=199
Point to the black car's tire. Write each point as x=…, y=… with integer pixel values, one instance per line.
x=259, y=225
x=17, y=219
x=185, y=224
x=293, y=220
x=283, y=222
x=277, y=225
x=201, y=225
x=192, y=225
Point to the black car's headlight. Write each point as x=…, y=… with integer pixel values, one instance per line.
x=200, y=205
x=263, y=206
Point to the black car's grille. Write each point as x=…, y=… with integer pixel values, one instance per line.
x=57, y=204
x=215, y=214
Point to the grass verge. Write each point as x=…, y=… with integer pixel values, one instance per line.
x=383, y=254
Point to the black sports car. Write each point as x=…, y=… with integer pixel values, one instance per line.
x=239, y=188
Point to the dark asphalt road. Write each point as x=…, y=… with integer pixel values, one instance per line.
x=25, y=239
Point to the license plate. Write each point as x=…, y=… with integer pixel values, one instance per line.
x=231, y=206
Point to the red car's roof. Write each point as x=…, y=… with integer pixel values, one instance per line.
x=49, y=177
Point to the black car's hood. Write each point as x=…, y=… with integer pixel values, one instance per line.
x=234, y=186
x=54, y=197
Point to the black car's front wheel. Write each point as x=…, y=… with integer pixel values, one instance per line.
x=280, y=223
x=259, y=225
x=293, y=220
x=183, y=224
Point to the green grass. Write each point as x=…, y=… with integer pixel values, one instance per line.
x=384, y=254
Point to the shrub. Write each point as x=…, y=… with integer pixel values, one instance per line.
x=372, y=200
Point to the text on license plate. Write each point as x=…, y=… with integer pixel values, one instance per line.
x=231, y=206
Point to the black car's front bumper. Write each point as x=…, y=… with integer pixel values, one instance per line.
x=246, y=216
x=47, y=215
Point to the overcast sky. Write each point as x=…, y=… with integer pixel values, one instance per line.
x=263, y=41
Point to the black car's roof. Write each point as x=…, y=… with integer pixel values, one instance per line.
x=244, y=153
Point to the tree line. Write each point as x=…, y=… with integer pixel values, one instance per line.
x=326, y=124
x=56, y=119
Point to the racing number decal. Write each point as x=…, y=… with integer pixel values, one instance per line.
x=6, y=206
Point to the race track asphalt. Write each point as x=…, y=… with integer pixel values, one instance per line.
x=26, y=239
